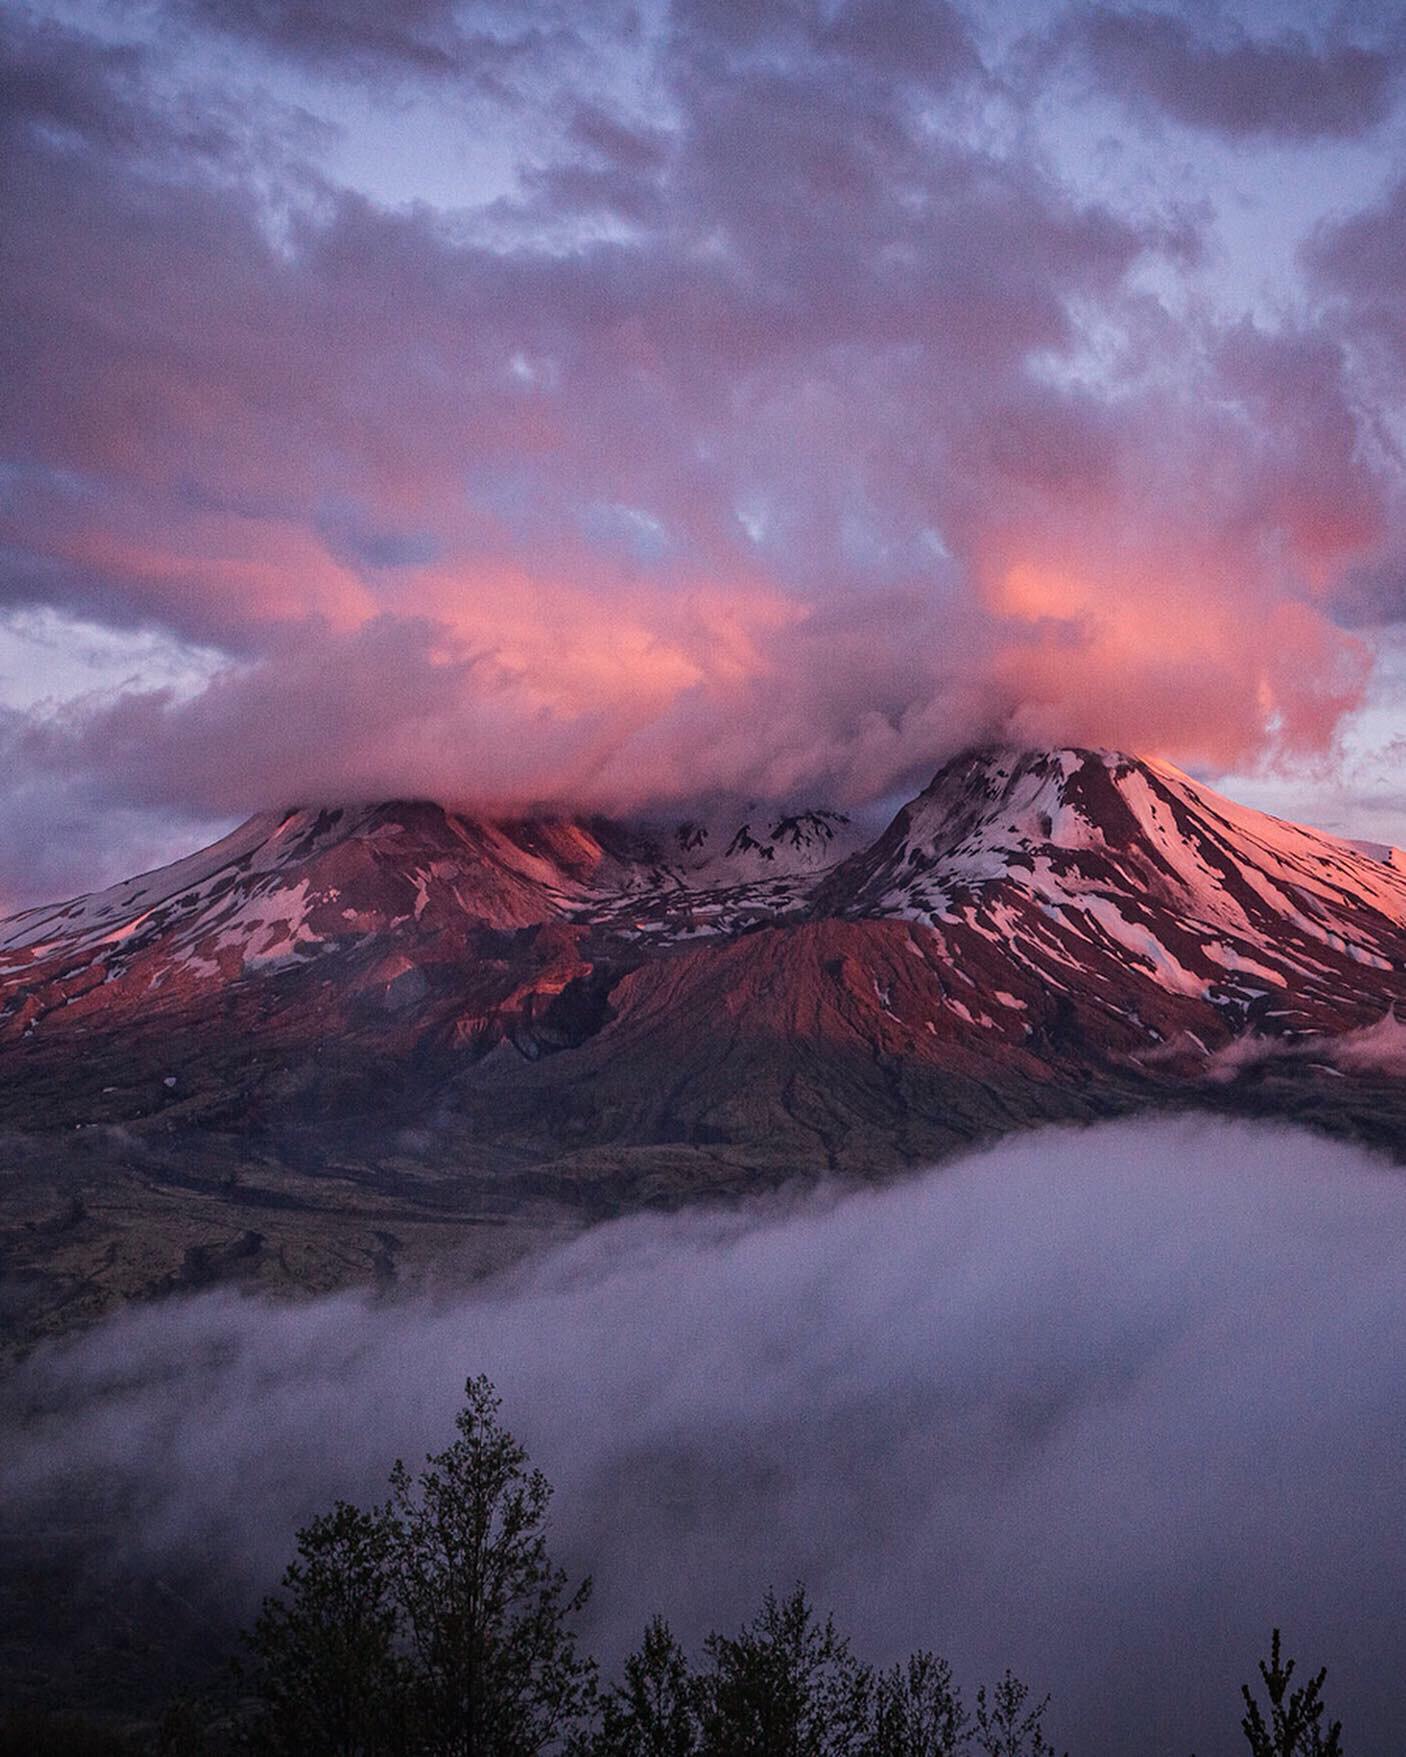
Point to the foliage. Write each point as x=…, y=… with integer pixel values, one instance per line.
x=33, y=1732
x=785, y=1686
x=918, y=1711
x=654, y=1710
x=326, y=1671
x=1006, y=1726
x=1295, y=1726
x=435, y=1625
x=494, y=1667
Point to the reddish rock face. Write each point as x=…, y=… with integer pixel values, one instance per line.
x=477, y=1016
x=1037, y=909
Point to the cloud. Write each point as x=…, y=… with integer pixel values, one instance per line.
x=1284, y=87
x=927, y=44
x=1371, y=1049
x=1101, y=1404
x=780, y=431
x=422, y=37
x=1354, y=264
x=490, y=46
x=1360, y=259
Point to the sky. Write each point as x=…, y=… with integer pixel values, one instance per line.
x=546, y=406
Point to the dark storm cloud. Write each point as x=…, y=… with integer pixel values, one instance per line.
x=79, y=98
x=1099, y=1404
x=492, y=42
x=46, y=81
x=1313, y=481
x=1356, y=264
x=423, y=36
x=1281, y=87
x=58, y=832
x=1375, y=596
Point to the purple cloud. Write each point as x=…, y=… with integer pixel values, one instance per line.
x=1280, y=87
x=489, y=47
x=777, y=435
x=1360, y=261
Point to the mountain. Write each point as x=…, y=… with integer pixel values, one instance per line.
x=402, y=922
x=1091, y=870
x=358, y=1042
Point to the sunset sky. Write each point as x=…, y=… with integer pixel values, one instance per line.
x=604, y=406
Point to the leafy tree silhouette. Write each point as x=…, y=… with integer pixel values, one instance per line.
x=654, y=1710
x=918, y=1711
x=1295, y=1726
x=1006, y=1726
x=325, y=1668
x=435, y=1625
x=785, y=1686
x=494, y=1666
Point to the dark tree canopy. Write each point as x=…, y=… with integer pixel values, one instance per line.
x=488, y=1616
x=654, y=1710
x=326, y=1667
x=918, y=1711
x=785, y=1686
x=436, y=1624
x=1009, y=1723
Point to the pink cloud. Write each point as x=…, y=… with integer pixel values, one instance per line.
x=759, y=449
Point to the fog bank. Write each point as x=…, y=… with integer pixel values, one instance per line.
x=1100, y=1404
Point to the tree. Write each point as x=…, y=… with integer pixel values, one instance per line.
x=918, y=1711
x=433, y=1626
x=1005, y=1726
x=1295, y=1727
x=785, y=1686
x=325, y=1670
x=653, y=1711
x=494, y=1662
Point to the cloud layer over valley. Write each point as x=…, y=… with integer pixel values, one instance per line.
x=1098, y=1403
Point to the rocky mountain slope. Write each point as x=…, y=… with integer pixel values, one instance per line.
x=357, y=1043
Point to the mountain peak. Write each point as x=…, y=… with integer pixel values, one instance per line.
x=1069, y=861
x=1069, y=855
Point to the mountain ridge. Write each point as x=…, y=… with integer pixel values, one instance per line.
x=381, y=1035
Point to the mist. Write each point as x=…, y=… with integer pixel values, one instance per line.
x=1099, y=1404
x=1379, y=1048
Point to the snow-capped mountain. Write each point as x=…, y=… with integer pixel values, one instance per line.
x=1086, y=874
x=1115, y=882
x=1087, y=865
x=414, y=882
x=459, y=1022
